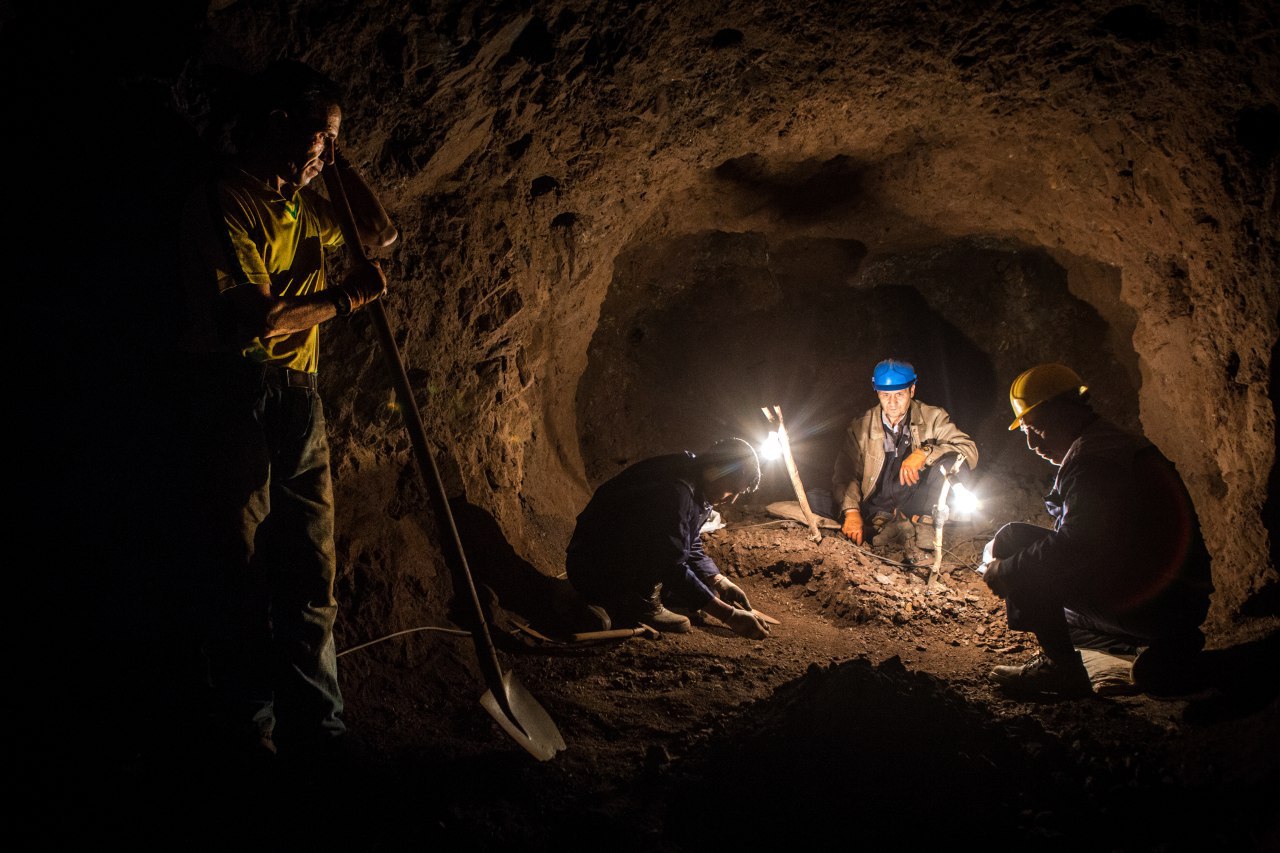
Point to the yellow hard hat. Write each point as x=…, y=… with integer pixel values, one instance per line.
x=1040, y=383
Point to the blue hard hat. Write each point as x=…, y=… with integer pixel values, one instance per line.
x=891, y=375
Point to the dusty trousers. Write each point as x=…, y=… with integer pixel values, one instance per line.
x=265, y=553
x=1073, y=613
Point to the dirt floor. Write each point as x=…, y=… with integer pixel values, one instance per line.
x=865, y=717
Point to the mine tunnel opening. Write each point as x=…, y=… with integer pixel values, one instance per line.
x=699, y=330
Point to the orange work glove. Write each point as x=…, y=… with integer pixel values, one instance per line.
x=909, y=473
x=852, y=526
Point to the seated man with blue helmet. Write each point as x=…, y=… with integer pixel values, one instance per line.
x=894, y=457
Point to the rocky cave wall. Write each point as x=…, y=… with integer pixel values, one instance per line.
x=565, y=173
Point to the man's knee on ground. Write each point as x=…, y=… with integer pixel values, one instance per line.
x=1014, y=537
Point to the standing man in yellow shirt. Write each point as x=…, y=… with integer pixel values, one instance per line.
x=253, y=251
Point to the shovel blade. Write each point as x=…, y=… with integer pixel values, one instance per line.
x=528, y=724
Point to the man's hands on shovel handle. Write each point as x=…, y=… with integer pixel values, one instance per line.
x=365, y=283
x=369, y=225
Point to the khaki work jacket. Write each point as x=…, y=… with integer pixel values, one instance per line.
x=859, y=463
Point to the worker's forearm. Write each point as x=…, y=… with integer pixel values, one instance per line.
x=718, y=609
x=289, y=314
x=953, y=441
x=851, y=498
x=371, y=218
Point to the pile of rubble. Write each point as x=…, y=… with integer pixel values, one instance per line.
x=860, y=584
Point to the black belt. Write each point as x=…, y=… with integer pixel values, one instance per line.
x=285, y=377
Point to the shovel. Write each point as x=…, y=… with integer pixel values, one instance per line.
x=506, y=700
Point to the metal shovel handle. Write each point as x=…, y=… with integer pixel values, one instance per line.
x=427, y=468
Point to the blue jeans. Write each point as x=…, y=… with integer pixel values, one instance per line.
x=920, y=499
x=269, y=560
x=821, y=502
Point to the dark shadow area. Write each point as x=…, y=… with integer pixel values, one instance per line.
x=1271, y=506
x=804, y=191
x=508, y=584
x=856, y=753
x=1240, y=680
x=112, y=160
x=1264, y=602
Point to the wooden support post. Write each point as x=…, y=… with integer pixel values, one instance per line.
x=775, y=418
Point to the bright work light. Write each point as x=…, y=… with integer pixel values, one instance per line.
x=964, y=501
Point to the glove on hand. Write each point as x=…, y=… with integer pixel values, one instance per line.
x=729, y=592
x=995, y=581
x=747, y=624
x=852, y=526
x=365, y=283
x=909, y=473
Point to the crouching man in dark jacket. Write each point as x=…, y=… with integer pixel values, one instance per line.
x=1125, y=566
x=638, y=541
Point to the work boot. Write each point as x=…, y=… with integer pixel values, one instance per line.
x=655, y=615
x=925, y=532
x=668, y=622
x=878, y=522
x=1044, y=675
x=893, y=532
